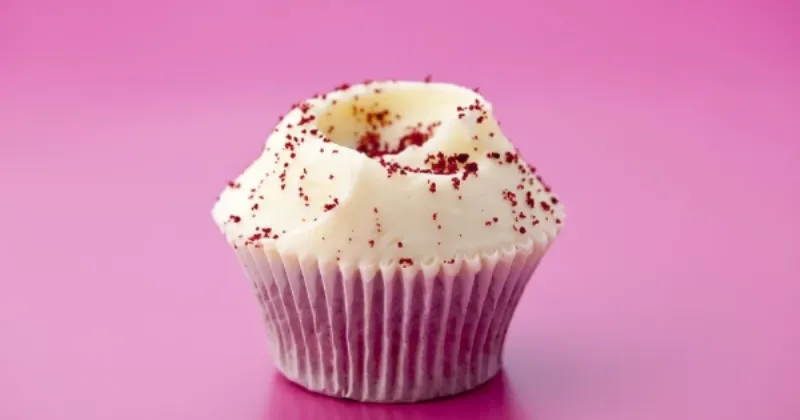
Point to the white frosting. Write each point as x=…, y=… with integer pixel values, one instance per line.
x=312, y=194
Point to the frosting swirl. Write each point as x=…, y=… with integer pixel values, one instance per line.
x=391, y=172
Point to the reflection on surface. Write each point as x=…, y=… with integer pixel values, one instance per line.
x=493, y=400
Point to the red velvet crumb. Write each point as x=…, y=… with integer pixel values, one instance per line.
x=331, y=206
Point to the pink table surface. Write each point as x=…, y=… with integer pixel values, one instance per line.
x=671, y=130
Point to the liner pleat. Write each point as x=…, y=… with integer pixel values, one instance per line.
x=388, y=333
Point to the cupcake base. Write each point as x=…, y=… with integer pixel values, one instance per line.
x=389, y=333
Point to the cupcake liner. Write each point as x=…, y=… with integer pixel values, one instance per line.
x=389, y=333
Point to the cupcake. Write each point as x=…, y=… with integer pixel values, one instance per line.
x=389, y=230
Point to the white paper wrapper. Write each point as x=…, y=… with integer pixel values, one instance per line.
x=387, y=333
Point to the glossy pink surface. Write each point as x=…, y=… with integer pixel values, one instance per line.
x=670, y=130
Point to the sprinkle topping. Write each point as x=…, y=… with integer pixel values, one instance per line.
x=433, y=192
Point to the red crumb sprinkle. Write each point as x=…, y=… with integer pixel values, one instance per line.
x=372, y=145
x=522, y=229
x=432, y=187
x=544, y=184
x=255, y=207
x=529, y=199
x=414, y=138
x=406, y=262
x=379, y=119
x=470, y=168
x=371, y=243
x=235, y=219
x=510, y=197
x=462, y=157
x=456, y=182
x=306, y=119
x=399, y=244
x=234, y=185
x=435, y=215
x=545, y=205
x=428, y=78
x=331, y=206
x=330, y=176
x=441, y=164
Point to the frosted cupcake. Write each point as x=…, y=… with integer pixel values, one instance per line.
x=389, y=230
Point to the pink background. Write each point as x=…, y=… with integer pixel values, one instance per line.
x=670, y=129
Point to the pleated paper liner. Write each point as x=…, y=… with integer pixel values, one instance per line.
x=389, y=333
